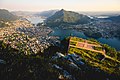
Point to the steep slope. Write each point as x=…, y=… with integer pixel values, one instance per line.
x=67, y=17
x=107, y=61
x=6, y=15
x=53, y=65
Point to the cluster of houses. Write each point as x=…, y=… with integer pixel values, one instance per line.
x=21, y=34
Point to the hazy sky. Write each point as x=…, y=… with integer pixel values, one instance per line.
x=74, y=5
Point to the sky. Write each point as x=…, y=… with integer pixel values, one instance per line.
x=73, y=5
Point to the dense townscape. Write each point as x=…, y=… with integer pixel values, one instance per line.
x=22, y=26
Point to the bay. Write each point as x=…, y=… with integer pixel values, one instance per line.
x=63, y=33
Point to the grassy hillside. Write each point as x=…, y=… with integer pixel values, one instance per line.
x=109, y=62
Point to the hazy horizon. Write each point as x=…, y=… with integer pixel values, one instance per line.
x=73, y=5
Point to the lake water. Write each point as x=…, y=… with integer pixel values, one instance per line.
x=113, y=42
x=35, y=20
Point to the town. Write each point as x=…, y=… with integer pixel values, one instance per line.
x=22, y=31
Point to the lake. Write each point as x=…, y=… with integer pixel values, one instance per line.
x=35, y=20
x=113, y=42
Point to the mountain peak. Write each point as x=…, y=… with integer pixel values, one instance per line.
x=67, y=17
x=62, y=10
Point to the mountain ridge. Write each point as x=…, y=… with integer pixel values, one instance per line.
x=46, y=13
x=6, y=15
x=67, y=17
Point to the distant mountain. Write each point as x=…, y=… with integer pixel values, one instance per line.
x=46, y=13
x=6, y=15
x=23, y=13
x=114, y=18
x=67, y=17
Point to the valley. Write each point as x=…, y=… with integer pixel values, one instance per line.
x=60, y=47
